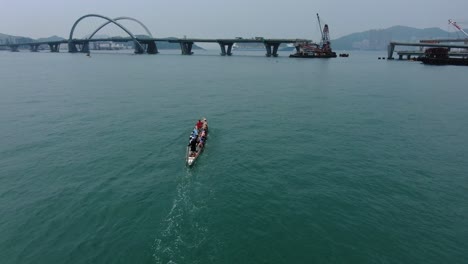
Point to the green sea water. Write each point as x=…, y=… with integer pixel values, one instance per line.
x=346, y=160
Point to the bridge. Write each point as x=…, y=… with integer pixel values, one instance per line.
x=147, y=44
x=436, y=43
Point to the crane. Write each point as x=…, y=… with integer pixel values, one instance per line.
x=325, y=33
x=457, y=26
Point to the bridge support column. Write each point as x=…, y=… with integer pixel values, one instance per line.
x=268, y=49
x=54, y=47
x=14, y=48
x=229, y=50
x=225, y=51
x=139, y=47
x=272, y=49
x=275, y=49
x=151, y=48
x=84, y=47
x=390, y=50
x=186, y=47
x=34, y=48
x=71, y=47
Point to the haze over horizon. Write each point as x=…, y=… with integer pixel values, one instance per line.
x=216, y=19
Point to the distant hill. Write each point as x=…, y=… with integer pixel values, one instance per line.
x=4, y=38
x=378, y=39
x=53, y=38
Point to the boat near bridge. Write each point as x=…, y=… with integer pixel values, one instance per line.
x=197, y=142
x=440, y=56
x=308, y=49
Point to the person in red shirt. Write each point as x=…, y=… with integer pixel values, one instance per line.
x=199, y=124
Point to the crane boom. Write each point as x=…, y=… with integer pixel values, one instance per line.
x=320, y=26
x=457, y=26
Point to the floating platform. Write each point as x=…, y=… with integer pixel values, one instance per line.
x=445, y=61
x=313, y=55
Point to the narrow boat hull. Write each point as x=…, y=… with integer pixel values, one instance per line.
x=191, y=157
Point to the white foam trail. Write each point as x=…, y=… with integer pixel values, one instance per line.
x=181, y=231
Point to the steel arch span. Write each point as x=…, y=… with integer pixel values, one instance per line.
x=110, y=20
x=122, y=18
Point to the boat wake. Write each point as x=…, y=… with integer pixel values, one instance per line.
x=183, y=231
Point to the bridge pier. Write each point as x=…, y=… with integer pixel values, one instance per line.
x=85, y=47
x=151, y=48
x=272, y=49
x=34, y=48
x=14, y=48
x=186, y=47
x=54, y=47
x=139, y=47
x=71, y=47
x=390, y=50
x=223, y=46
x=147, y=46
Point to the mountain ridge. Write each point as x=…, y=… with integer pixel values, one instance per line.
x=378, y=39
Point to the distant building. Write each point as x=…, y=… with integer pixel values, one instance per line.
x=108, y=45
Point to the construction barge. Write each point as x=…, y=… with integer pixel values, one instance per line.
x=308, y=49
x=440, y=56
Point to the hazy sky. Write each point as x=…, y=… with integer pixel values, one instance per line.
x=219, y=19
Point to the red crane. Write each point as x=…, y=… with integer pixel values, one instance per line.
x=457, y=26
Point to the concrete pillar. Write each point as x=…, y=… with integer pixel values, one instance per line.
x=268, y=49
x=400, y=57
x=226, y=48
x=408, y=57
x=272, y=48
x=54, y=47
x=152, y=48
x=186, y=47
x=182, y=48
x=275, y=49
x=85, y=47
x=189, y=48
x=229, y=49
x=223, y=49
x=390, y=50
x=34, y=48
x=71, y=47
x=14, y=48
x=139, y=49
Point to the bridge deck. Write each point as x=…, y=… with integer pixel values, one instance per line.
x=172, y=40
x=421, y=53
x=393, y=44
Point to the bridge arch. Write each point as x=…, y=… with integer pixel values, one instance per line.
x=110, y=20
x=121, y=18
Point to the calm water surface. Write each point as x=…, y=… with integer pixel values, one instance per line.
x=347, y=160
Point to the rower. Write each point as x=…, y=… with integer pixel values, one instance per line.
x=199, y=124
x=193, y=146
